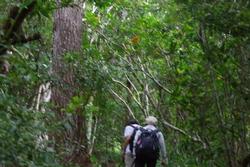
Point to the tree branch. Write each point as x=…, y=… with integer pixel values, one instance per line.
x=137, y=92
x=193, y=138
x=19, y=18
x=124, y=102
x=137, y=102
x=148, y=74
x=12, y=27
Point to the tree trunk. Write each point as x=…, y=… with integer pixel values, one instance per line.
x=67, y=39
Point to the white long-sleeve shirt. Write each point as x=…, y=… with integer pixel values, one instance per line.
x=160, y=138
x=127, y=133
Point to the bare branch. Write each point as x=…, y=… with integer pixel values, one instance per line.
x=137, y=92
x=148, y=74
x=131, y=93
x=157, y=82
x=124, y=102
x=193, y=138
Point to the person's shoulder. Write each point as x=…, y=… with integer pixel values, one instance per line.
x=150, y=127
x=130, y=127
x=159, y=134
x=128, y=130
x=137, y=125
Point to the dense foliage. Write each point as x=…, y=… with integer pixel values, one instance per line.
x=186, y=62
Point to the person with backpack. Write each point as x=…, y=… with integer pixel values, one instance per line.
x=127, y=147
x=148, y=143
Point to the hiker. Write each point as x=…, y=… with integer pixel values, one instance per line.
x=148, y=142
x=127, y=147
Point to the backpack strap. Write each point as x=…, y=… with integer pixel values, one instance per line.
x=142, y=129
x=132, y=126
x=131, y=140
x=156, y=131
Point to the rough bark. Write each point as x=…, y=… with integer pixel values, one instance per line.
x=67, y=39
